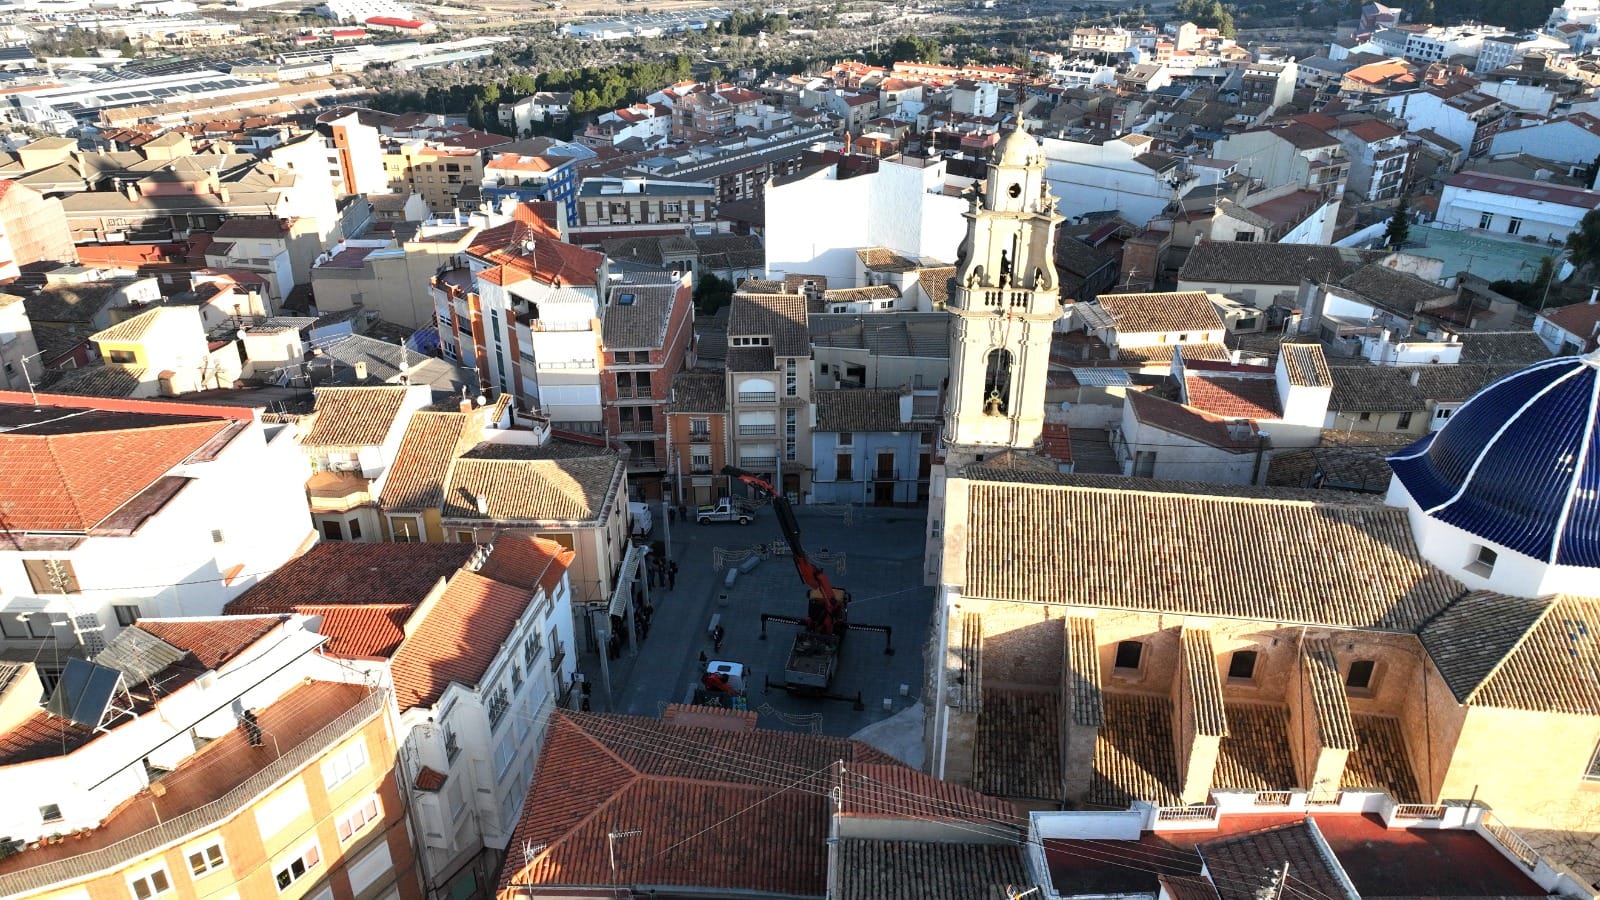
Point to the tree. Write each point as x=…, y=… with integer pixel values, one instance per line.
x=712, y=293
x=1394, y=237
x=1584, y=243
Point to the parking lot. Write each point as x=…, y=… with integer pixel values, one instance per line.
x=876, y=554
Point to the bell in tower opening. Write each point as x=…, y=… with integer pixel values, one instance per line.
x=997, y=383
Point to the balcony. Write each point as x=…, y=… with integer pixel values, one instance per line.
x=758, y=429
x=759, y=463
x=337, y=491
x=758, y=396
x=306, y=723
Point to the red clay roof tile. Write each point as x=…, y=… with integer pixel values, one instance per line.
x=457, y=638
x=212, y=641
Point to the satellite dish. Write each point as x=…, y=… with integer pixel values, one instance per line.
x=482, y=400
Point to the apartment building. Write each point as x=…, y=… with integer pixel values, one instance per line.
x=618, y=207
x=646, y=331
x=202, y=755
x=697, y=436
x=768, y=385
x=437, y=173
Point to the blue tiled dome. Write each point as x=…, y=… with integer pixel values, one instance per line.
x=1518, y=463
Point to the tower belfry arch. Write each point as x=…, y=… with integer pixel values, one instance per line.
x=1004, y=304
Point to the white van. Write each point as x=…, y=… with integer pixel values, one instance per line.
x=640, y=520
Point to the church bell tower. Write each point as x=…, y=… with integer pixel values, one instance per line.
x=1005, y=303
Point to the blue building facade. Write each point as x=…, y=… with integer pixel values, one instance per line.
x=868, y=449
x=557, y=183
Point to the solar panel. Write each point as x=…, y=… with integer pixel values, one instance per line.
x=84, y=692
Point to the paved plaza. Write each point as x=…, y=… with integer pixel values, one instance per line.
x=881, y=566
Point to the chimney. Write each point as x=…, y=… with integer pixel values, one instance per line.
x=131, y=190
x=1416, y=377
x=483, y=504
x=466, y=405
x=1593, y=293
x=361, y=370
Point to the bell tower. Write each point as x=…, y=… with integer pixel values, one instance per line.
x=1005, y=303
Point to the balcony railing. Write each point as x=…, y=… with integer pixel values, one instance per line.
x=758, y=429
x=758, y=463
x=758, y=396
x=195, y=820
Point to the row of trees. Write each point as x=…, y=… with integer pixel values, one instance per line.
x=1206, y=14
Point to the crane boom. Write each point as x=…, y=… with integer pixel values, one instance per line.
x=827, y=606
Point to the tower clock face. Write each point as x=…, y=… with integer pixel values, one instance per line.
x=1014, y=191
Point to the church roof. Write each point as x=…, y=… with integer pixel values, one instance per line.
x=1516, y=465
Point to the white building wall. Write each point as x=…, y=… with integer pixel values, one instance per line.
x=1540, y=219
x=1181, y=458
x=252, y=496
x=1563, y=141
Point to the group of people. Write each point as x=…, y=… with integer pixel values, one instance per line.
x=662, y=573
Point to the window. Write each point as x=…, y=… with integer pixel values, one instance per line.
x=332, y=530
x=842, y=467
x=342, y=765
x=1244, y=237
x=791, y=378
x=217, y=537
x=463, y=537
x=1483, y=560
x=121, y=356
x=1593, y=774
x=50, y=813
x=1242, y=665
x=1359, y=678
x=1485, y=220
x=1366, y=417
x=700, y=426
x=516, y=678
x=405, y=529
x=531, y=648
x=498, y=706
x=1129, y=655
x=51, y=576
x=364, y=813
x=295, y=868
x=1443, y=413
x=152, y=883
x=1514, y=226
x=126, y=614
x=452, y=746
x=355, y=529
x=206, y=859
x=701, y=462
x=846, y=438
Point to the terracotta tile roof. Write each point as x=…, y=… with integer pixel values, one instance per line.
x=1134, y=754
x=1161, y=354
x=1307, y=365
x=1253, y=862
x=361, y=630
x=1017, y=753
x=457, y=639
x=1204, y=694
x=42, y=736
x=860, y=294
x=882, y=259
x=1358, y=389
x=1194, y=424
x=1055, y=442
x=876, y=790
x=1254, y=755
x=525, y=560
x=699, y=392
x=636, y=315
x=1400, y=291
x=1083, y=672
x=1552, y=668
x=1380, y=759
x=750, y=359
x=1578, y=318
x=352, y=417
x=910, y=870
x=1181, y=311
x=421, y=466
x=782, y=317
x=1526, y=189
x=353, y=573
x=1320, y=669
x=1232, y=397
x=431, y=780
x=1234, y=262
x=1469, y=641
x=675, y=785
x=1200, y=555
x=1504, y=347
x=528, y=247
x=1454, y=384
x=936, y=284
x=212, y=641
x=863, y=410
x=1372, y=130
x=542, y=490
x=74, y=475
x=134, y=329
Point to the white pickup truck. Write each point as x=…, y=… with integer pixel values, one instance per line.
x=724, y=510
